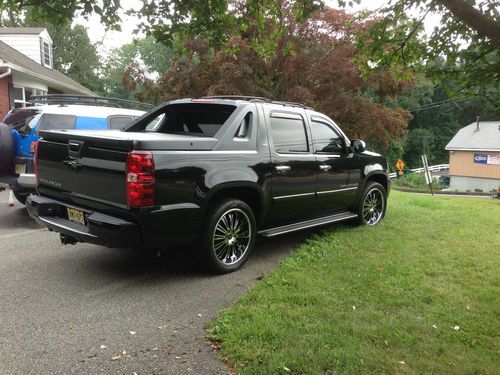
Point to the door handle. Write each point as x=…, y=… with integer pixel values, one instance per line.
x=325, y=167
x=283, y=168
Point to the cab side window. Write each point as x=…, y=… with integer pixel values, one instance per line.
x=325, y=139
x=289, y=133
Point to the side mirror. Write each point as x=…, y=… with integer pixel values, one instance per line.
x=358, y=146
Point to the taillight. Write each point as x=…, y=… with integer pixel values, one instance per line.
x=35, y=160
x=140, y=179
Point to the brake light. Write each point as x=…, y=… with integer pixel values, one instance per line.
x=35, y=160
x=140, y=179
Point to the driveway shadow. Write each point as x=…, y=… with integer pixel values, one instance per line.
x=101, y=268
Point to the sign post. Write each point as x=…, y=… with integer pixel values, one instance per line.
x=400, y=164
x=427, y=172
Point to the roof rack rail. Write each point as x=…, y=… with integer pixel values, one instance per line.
x=237, y=97
x=63, y=99
x=291, y=104
x=257, y=98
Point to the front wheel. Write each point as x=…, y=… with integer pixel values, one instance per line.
x=373, y=203
x=229, y=237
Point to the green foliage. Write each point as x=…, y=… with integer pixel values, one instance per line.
x=467, y=37
x=417, y=294
x=146, y=57
x=415, y=181
x=59, y=12
x=76, y=56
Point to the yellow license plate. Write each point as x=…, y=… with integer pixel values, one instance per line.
x=76, y=216
x=20, y=168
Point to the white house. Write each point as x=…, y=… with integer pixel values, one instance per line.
x=26, y=68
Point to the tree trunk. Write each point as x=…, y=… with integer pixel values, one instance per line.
x=485, y=26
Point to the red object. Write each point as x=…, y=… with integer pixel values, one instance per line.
x=140, y=179
x=34, y=145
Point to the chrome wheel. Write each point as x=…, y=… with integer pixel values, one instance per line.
x=373, y=206
x=232, y=236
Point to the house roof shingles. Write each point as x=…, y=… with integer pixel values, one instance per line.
x=17, y=59
x=487, y=138
x=21, y=30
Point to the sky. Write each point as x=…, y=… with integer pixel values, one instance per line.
x=107, y=40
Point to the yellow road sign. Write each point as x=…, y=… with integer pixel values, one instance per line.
x=400, y=164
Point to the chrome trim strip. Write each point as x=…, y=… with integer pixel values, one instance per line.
x=293, y=195
x=347, y=217
x=336, y=191
x=65, y=227
x=208, y=152
x=326, y=155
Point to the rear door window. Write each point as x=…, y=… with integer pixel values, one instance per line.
x=50, y=121
x=288, y=133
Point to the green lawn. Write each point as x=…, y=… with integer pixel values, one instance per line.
x=420, y=293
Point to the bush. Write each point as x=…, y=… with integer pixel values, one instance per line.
x=415, y=181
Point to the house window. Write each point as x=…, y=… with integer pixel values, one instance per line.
x=23, y=94
x=46, y=53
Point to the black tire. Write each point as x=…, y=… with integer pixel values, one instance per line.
x=372, y=205
x=21, y=197
x=229, y=236
x=7, y=149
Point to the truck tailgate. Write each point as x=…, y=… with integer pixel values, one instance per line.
x=92, y=169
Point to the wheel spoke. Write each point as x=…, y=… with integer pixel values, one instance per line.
x=372, y=208
x=232, y=236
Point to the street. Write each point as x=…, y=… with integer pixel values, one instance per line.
x=92, y=310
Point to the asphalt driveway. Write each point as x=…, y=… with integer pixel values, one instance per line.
x=93, y=310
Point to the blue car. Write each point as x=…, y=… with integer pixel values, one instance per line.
x=18, y=139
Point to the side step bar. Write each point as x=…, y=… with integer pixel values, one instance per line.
x=271, y=232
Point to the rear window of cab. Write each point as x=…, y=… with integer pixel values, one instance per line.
x=50, y=121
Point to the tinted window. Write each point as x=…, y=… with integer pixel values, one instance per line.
x=119, y=122
x=325, y=139
x=53, y=121
x=191, y=119
x=289, y=134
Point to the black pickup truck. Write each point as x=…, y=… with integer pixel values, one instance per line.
x=216, y=170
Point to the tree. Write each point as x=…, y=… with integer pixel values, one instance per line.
x=76, y=56
x=145, y=56
x=310, y=60
x=468, y=39
x=58, y=12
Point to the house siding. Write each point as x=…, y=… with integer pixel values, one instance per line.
x=462, y=164
x=28, y=45
x=4, y=96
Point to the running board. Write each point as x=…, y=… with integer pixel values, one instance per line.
x=271, y=232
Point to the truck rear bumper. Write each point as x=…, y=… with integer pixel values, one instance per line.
x=24, y=182
x=99, y=229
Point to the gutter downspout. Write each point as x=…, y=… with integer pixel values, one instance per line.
x=6, y=74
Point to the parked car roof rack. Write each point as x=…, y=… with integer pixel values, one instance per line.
x=237, y=97
x=64, y=99
x=257, y=98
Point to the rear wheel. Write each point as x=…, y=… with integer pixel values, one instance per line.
x=371, y=208
x=229, y=237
